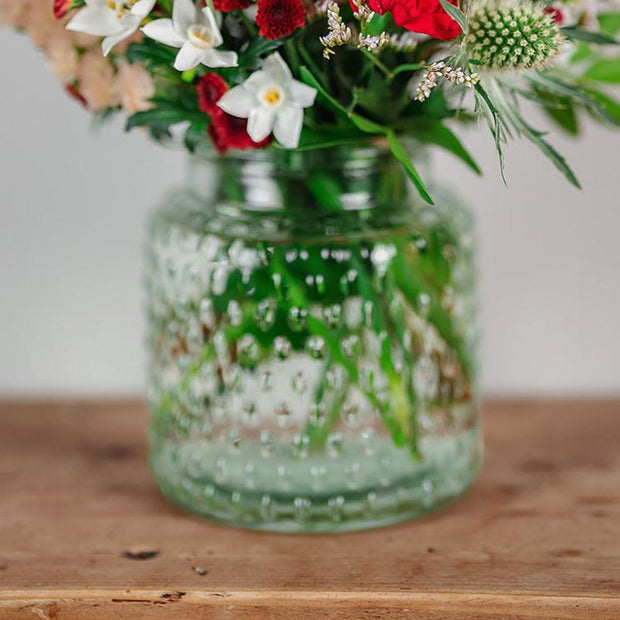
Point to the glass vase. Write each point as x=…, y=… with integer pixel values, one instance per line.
x=312, y=342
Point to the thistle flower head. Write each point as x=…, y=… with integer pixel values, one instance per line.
x=503, y=34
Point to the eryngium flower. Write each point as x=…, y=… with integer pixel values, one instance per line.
x=507, y=35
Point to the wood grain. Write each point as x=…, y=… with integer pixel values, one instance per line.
x=537, y=537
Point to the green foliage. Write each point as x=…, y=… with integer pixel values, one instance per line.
x=328, y=137
x=367, y=96
x=609, y=23
x=511, y=119
x=152, y=55
x=562, y=111
x=367, y=126
x=606, y=70
x=401, y=154
x=431, y=131
x=579, y=34
x=258, y=48
x=610, y=105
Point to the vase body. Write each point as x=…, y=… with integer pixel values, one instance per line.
x=312, y=342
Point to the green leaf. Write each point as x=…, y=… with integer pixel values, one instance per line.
x=609, y=23
x=378, y=24
x=365, y=124
x=325, y=189
x=151, y=54
x=370, y=127
x=606, y=70
x=536, y=137
x=161, y=118
x=362, y=123
x=566, y=90
x=582, y=52
x=399, y=151
x=196, y=133
x=410, y=66
x=608, y=104
x=434, y=132
x=558, y=161
x=494, y=122
x=259, y=47
x=565, y=116
x=312, y=139
x=580, y=34
x=455, y=13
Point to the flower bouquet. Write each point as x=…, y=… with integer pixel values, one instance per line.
x=311, y=315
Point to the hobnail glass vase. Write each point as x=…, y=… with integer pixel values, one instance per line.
x=312, y=342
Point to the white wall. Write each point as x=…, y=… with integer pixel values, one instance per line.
x=72, y=207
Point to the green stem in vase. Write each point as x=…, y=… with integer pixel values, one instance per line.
x=401, y=410
x=414, y=286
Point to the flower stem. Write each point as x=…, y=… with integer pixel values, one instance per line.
x=375, y=61
x=293, y=57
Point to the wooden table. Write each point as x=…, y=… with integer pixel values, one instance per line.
x=537, y=537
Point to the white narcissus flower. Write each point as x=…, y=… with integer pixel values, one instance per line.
x=113, y=19
x=272, y=101
x=195, y=32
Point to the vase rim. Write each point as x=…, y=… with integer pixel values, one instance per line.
x=361, y=154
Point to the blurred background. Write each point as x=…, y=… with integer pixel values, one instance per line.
x=73, y=205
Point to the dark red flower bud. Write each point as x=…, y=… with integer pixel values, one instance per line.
x=555, y=13
x=226, y=6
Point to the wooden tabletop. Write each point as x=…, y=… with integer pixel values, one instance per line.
x=84, y=534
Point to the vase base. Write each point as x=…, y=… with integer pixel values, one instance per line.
x=447, y=469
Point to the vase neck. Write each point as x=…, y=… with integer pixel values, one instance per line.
x=318, y=182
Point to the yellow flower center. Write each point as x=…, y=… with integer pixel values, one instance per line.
x=272, y=96
x=200, y=36
x=120, y=8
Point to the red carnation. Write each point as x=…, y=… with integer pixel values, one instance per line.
x=226, y=6
x=226, y=131
x=278, y=18
x=423, y=16
x=210, y=90
x=230, y=132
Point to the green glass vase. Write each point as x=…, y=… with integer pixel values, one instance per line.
x=312, y=342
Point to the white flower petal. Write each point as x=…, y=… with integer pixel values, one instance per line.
x=163, y=31
x=143, y=7
x=98, y=21
x=215, y=58
x=302, y=94
x=189, y=56
x=257, y=81
x=184, y=14
x=260, y=123
x=238, y=101
x=276, y=67
x=287, y=127
x=109, y=42
x=208, y=19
